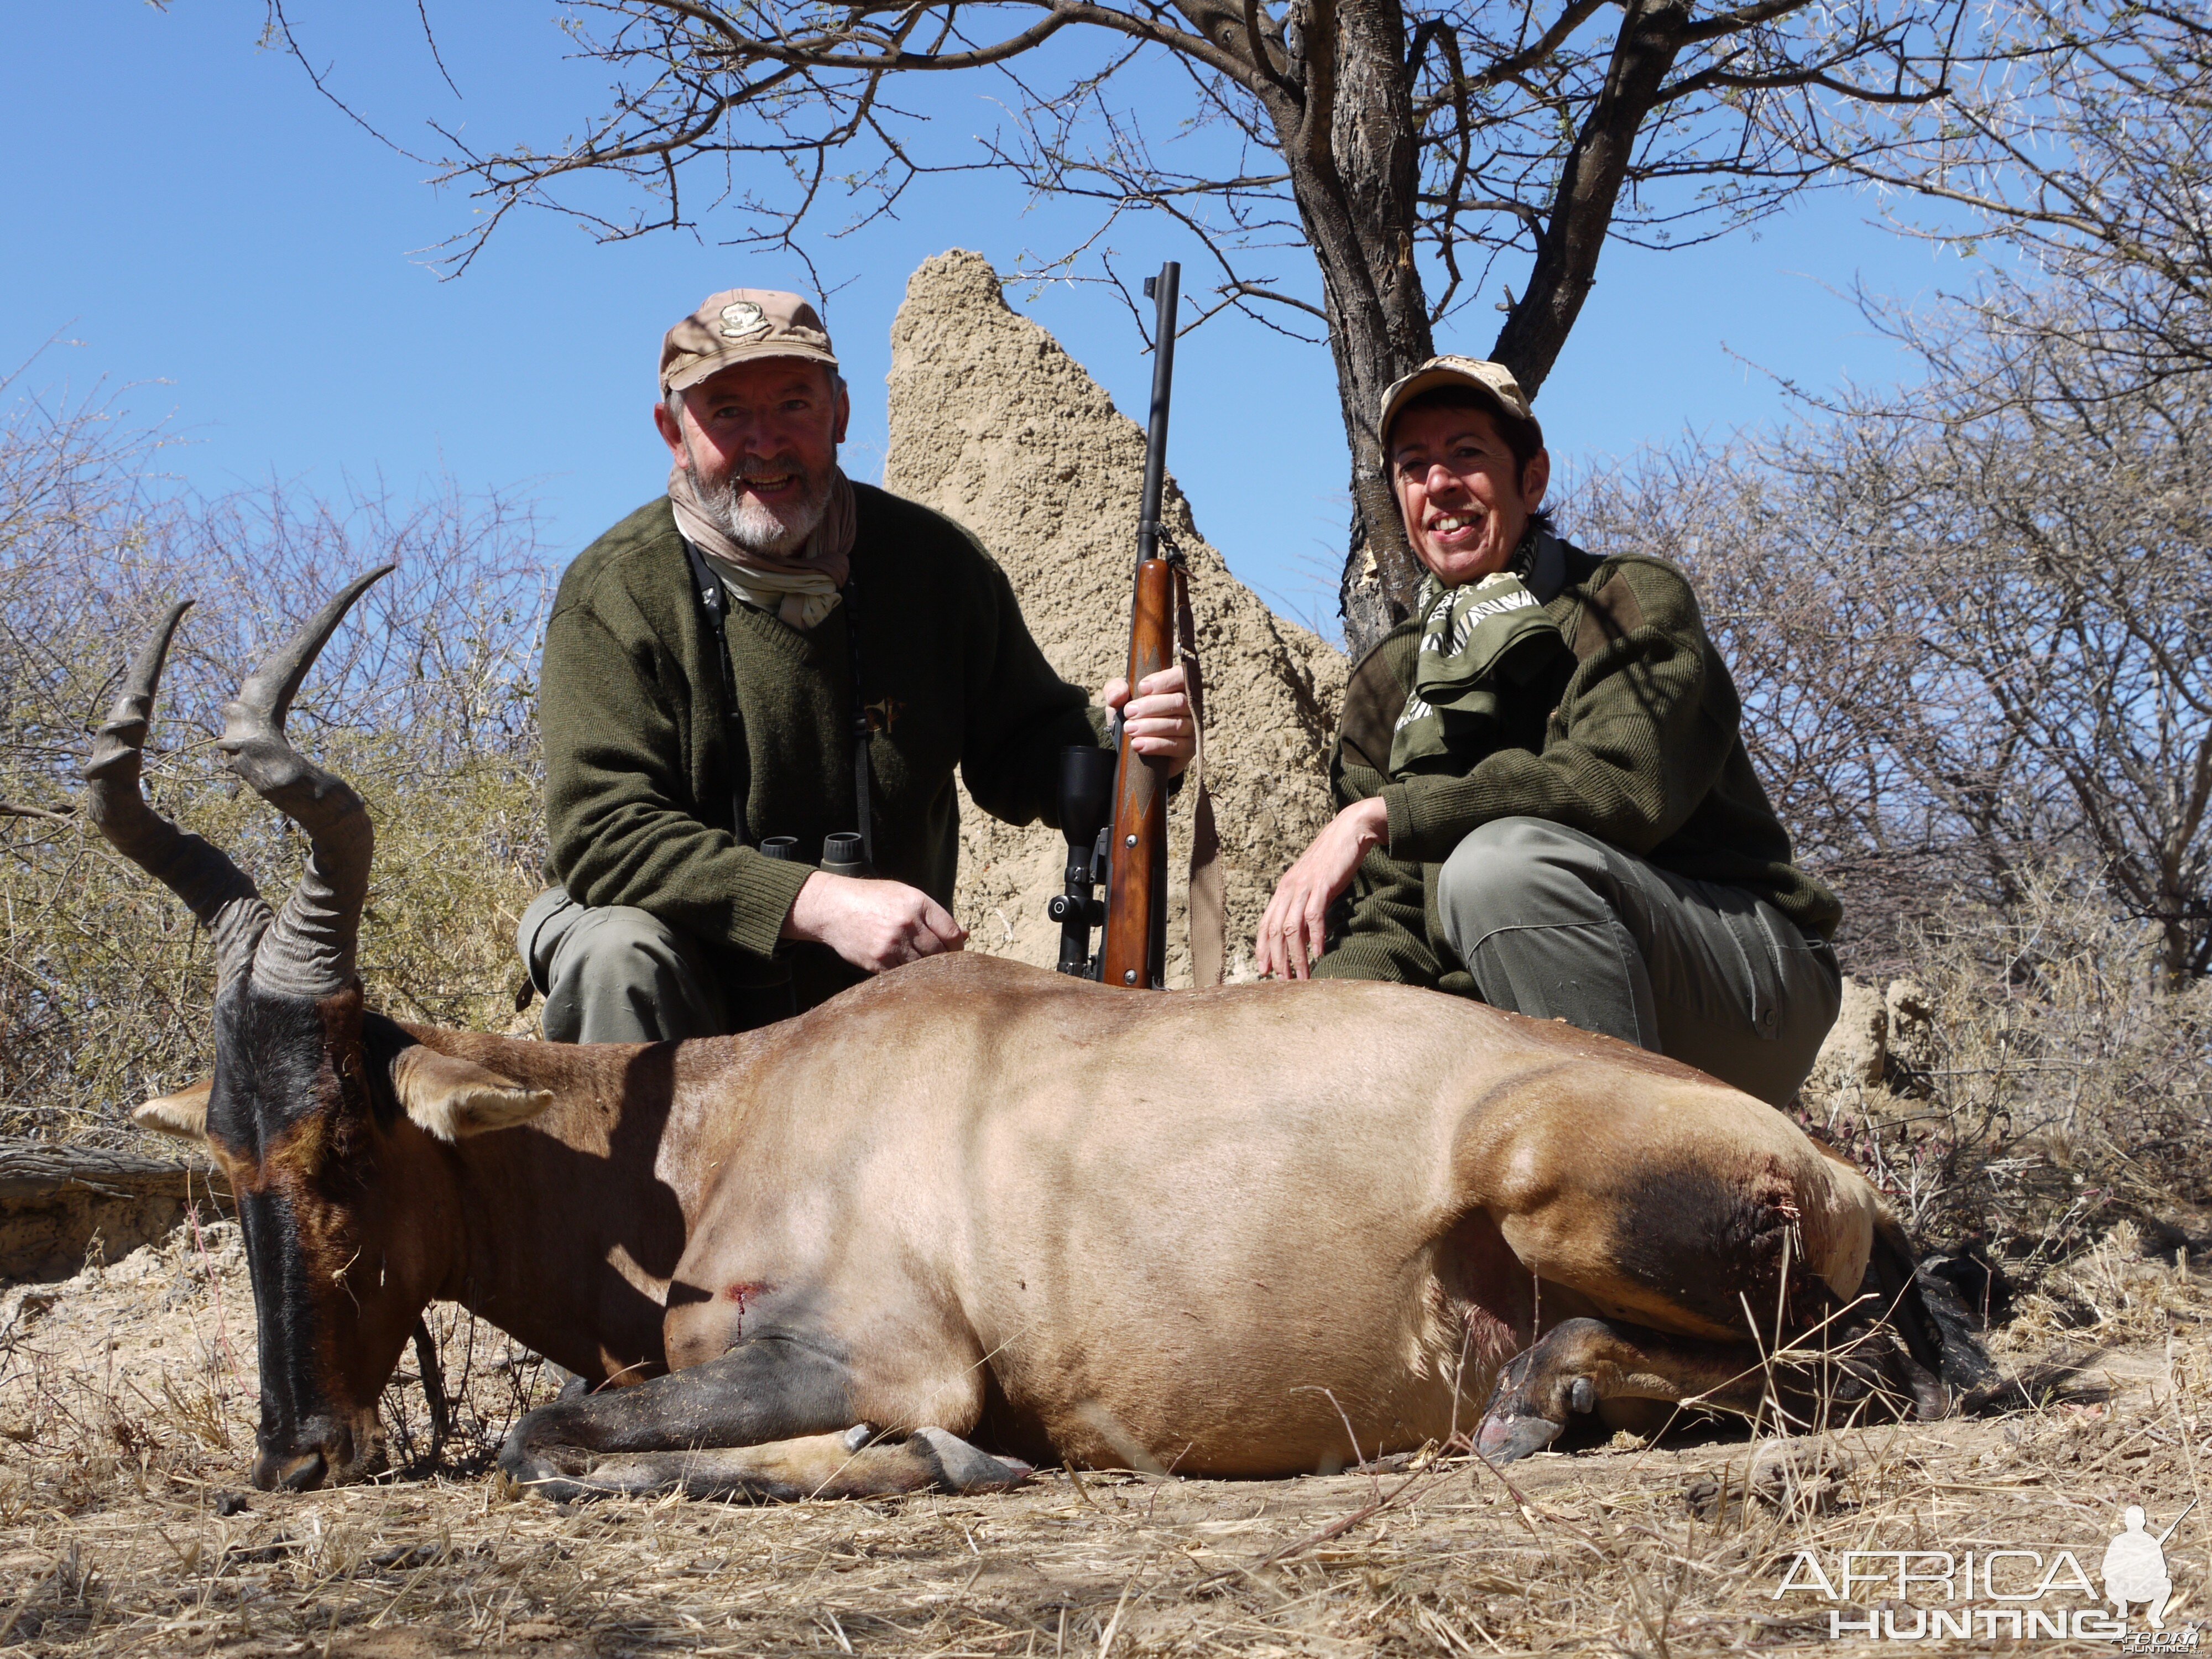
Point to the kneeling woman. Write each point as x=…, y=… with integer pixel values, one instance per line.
x=1546, y=799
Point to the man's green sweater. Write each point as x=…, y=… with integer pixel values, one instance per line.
x=642, y=750
x=1636, y=742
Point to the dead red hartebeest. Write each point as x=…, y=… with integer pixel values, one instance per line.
x=1252, y=1230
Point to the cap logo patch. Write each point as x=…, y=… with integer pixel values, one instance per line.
x=742, y=319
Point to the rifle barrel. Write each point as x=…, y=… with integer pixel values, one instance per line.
x=1165, y=289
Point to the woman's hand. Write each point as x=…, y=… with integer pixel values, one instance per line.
x=1294, y=929
x=1158, y=721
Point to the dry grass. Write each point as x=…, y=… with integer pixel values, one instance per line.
x=2048, y=1089
x=127, y=1402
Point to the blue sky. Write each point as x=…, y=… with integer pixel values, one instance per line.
x=214, y=236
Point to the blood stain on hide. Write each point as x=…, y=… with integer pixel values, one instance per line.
x=743, y=1295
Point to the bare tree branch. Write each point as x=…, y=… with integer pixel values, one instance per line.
x=1398, y=149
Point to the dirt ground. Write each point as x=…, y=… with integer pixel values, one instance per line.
x=127, y=1402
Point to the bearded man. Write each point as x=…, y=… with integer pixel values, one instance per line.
x=769, y=655
x=1546, y=799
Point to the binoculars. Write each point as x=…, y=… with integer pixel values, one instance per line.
x=842, y=854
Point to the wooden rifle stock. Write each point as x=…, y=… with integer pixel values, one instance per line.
x=1137, y=862
x=1133, y=951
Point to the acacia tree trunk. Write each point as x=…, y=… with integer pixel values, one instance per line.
x=1353, y=169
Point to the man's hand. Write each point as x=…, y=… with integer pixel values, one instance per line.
x=1158, y=722
x=873, y=925
x=1296, y=926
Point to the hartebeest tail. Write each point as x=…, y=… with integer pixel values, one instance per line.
x=1252, y=1230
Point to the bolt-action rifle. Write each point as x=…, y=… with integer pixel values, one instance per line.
x=1128, y=852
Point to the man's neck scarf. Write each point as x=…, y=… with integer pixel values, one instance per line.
x=800, y=588
x=1479, y=643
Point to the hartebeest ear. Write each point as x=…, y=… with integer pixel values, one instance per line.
x=450, y=1097
x=183, y=1114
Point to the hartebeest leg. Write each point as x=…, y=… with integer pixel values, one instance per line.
x=856, y=1463
x=1580, y=1364
x=770, y=1421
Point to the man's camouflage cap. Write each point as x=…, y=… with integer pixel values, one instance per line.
x=736, y=325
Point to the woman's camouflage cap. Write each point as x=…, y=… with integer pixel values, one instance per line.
x=1494, y=382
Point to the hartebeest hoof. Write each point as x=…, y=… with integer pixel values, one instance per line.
x=1580, y=1364
x=962, y=1468
x=1509, y=1439
x=1530, y=1406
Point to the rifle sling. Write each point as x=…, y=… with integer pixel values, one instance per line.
x=1208, y=907
x=714, y=600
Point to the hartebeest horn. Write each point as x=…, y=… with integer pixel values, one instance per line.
x=216, y=890
x=308, y=950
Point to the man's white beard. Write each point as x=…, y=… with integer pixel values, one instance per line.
x=755, y=526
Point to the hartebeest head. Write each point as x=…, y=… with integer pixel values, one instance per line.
x=327, y=1119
